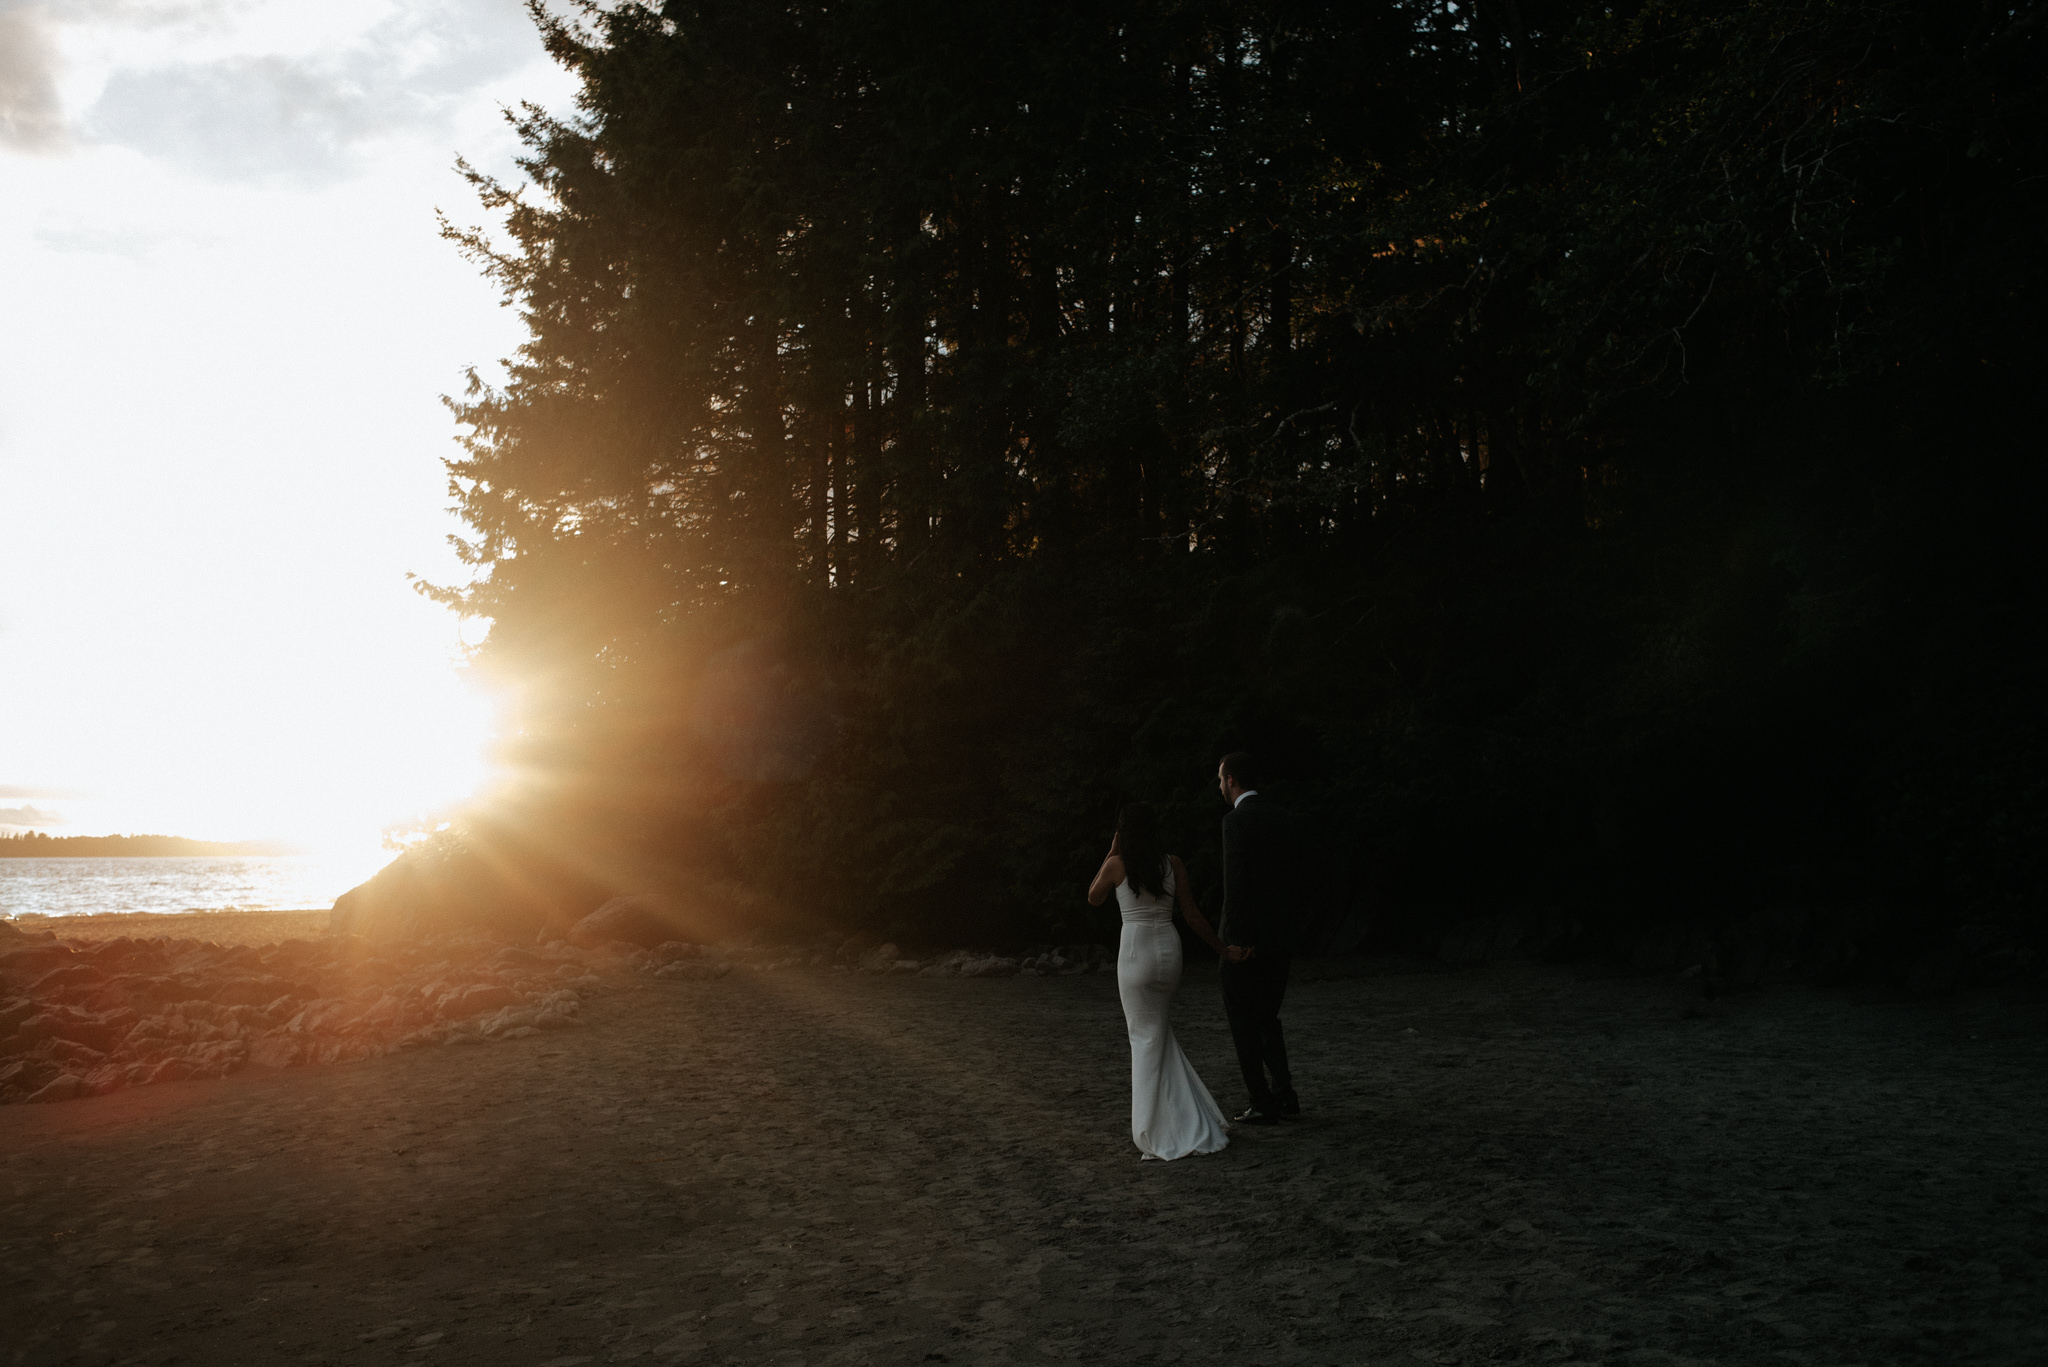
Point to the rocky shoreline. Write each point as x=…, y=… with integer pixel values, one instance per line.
x=86, y=1016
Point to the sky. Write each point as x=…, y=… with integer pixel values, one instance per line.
x=227, y=319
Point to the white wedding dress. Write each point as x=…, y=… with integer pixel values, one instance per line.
x=1172, y=1113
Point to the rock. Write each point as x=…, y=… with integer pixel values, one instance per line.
x=111, y=1077
x=278, y=1049
x=479, y=881
x=519, y=1032
x=80, y=1058
x=388, y=1011
x=70, y=1023
x=617, y=956
x=668, y=951
x=13, y=1012
x=62, y=1088
x=644, y=920
x=25, y=964
x=207, y=1011
x=1762, y=946
x=693, y=968
x=1677, y=944
x=470, y=1001
x=67, y=977
x=882, y=960
x=251, y=990
x=511, y=1018
x=27, y=1075
x=322, y=1017
x=1929, y=974
x=1518, y=932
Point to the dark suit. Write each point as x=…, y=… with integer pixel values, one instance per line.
x=1258, y=910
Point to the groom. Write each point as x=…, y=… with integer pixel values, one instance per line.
x=1257, y=929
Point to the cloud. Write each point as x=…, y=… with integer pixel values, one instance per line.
x=31, y=119
x=28, y=816
x=245, y=118
x=135, y=244
x=18, y=791
x=308, y=119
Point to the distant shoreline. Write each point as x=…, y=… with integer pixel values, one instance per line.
x=36, y=845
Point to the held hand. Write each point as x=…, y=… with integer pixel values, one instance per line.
x=1237, y=954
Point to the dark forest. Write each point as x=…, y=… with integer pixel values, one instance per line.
x=1588, y=451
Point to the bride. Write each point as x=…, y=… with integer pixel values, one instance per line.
x=1172, y=1113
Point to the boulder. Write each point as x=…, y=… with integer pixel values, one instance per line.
x=70, y=1023
x=252, y=990
x=75, y=1057
x=27, y=1075
x=694, y=968
x=644, y=919
x=475, y=999
x=277, y=1049
x=69, y=977
x=1515, y=932
x=1674, y=944
x=22, y=964
x=880, y=960
x=964, y=963
x=14, y=1011
x=476, y=881
x=62, y=1088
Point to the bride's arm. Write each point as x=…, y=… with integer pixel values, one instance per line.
x=1106, y=878
x=1188, y=910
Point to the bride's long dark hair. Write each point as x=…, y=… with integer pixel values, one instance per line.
x=1144, y=855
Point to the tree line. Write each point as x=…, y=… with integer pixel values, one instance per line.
x=939, y=420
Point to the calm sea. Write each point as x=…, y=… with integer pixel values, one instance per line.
x=76, y=887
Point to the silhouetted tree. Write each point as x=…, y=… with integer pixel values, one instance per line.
x=936, y=416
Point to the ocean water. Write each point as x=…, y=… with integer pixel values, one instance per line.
x=77, y=887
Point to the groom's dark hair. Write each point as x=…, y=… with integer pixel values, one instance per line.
x=1239, y=765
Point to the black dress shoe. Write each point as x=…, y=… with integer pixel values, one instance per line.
x=1290, y=1105
x=1255, y=1116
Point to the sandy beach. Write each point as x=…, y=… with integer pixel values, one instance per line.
x=1508, y=1163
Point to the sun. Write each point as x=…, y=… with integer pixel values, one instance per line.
x=328, y=765
x=405, y=764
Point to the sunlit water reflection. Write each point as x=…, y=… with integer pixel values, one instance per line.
x=77, y=887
